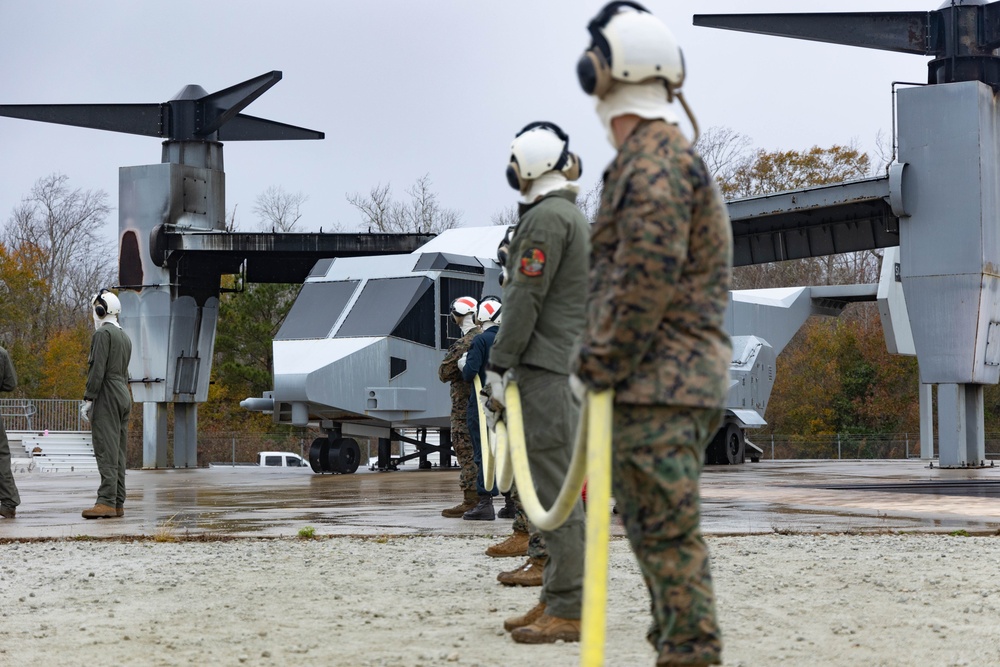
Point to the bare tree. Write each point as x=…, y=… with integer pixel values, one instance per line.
x=277, y=210
x=590, y=201
x=724, y=151
x=422, y=213
x=505, y=217
x=62, y=227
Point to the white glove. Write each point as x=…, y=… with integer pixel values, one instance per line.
x=85, y=407
x=578, y=388
x=462, y=361
x=496, y=383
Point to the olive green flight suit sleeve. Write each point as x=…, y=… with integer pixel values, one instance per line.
x=9, y=380
x=535, y=239
x=100, y=347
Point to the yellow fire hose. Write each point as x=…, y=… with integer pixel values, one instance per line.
x=486, y=444
x=591, y=461
x=569, y=494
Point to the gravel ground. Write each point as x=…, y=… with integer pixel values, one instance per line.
x=794, y=599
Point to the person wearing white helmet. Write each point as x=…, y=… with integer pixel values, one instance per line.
x=463, y=312
x=107, y=403
x=474, y=363
x=659, y=282
x=546, y=271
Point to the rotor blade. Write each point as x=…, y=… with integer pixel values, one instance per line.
x=143, y=119
x=903, y=32
x=249, y=128
x=222, y=106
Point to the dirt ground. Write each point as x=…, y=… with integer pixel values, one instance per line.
x=784, y=599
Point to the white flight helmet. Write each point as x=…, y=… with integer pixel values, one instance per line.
x=630, y=46
x=489, y=311
x=463, y=306
x=537, y=149
x=105, y=308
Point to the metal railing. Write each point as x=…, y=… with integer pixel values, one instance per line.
x=42, y=414
x=851, y=445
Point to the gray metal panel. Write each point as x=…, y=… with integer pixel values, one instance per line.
x=949, y=247
x=813, y=222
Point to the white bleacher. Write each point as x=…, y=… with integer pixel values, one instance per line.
x=62, y=451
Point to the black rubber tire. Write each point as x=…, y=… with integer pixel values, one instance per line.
x=344, y=456
x=318, y=452
x=715, y=452
x=735, y=444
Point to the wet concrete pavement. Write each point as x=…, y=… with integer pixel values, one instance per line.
x=795, y=496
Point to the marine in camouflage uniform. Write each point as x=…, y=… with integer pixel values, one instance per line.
x=659, y=281
x=460, y=390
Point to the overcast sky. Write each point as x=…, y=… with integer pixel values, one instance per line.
x=404, y=88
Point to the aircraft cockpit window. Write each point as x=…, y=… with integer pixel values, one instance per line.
x=400, y=307
x=316, y=310
x=451, y=289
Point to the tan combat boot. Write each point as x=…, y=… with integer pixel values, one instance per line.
x=100, y=511
x=529, y=574
x=548, y=629
x=515, y=622
x=514, y=546
x=119, y=510
x=456, y=512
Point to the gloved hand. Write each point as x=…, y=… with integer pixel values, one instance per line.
x=578, y=388
x=496, y=381
x=462, y=361
x=85, y=407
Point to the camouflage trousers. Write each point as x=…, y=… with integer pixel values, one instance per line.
x=462, y=445
x=536, y=543
x=657, y=457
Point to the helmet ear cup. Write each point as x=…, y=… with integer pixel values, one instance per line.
x=100, y=305
x=594, y=73
x=514, y=176
x=574, y=167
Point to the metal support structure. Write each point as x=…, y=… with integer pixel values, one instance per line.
x=926, y=421
x=154, y=421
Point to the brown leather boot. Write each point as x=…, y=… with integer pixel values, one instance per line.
x=515, y=622
x=119, y=510
x=8, y=512
x=456, y=512
x=100, y=511
x=548, y=629
x=529, y=574
x=514, y=546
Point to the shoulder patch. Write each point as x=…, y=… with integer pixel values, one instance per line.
x=533, y=262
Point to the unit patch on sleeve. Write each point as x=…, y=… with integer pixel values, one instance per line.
x=532, y=262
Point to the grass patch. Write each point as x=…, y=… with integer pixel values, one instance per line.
x=307, y=533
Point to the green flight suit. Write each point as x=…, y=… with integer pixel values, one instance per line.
x=8, y=489
x=107, y=387
x=544, y=313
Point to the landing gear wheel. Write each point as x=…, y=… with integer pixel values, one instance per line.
x=344, y=456
x=318, y=452
x=735, y=444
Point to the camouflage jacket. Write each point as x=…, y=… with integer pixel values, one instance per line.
x=659, y=277
x=448, y=370
x=544, y=308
